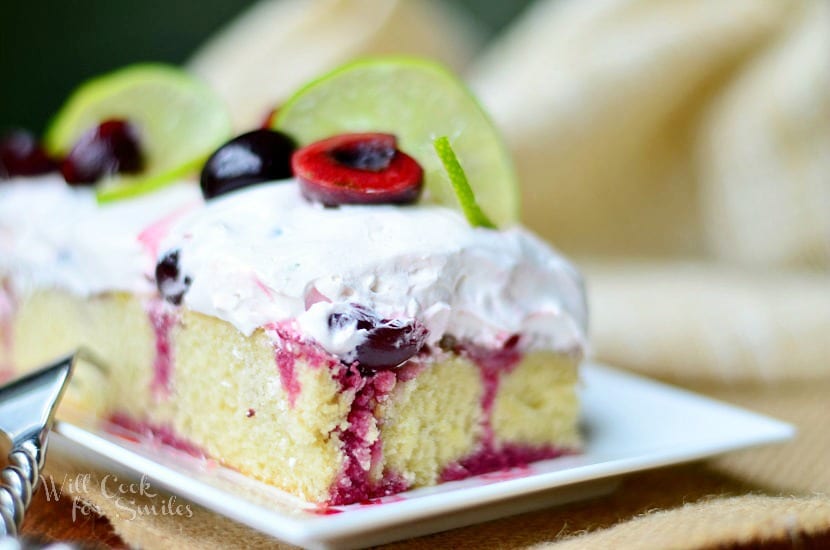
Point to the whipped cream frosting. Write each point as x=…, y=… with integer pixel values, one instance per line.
x=56, y=236
x=264, y=254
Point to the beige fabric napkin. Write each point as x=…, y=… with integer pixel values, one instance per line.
x=692, y=321
x=692, y=134
x=670, y=127
x=276, y=46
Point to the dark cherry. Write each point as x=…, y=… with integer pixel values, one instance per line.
x=169, y=281
x=22, y=155
x=112, y=147
x=357, y=169
x=255, y=157
x=389, y=342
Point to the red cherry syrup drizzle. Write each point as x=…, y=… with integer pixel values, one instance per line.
x=162, y=319
x=492, y=457
x=363, y=450
x=137, y=431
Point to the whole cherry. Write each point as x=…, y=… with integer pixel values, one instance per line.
x=254, y=157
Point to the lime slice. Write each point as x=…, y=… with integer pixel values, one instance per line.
x=460, y=184
x=418, y=101
x=180, y=120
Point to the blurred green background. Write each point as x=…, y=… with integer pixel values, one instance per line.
x=47, y=48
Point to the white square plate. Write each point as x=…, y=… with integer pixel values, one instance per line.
x=630, y=424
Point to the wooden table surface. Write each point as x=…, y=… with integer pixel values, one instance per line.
x=53, y=521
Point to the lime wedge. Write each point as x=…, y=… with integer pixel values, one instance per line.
x=461, y=186
x=180, y=121
x=418, y=101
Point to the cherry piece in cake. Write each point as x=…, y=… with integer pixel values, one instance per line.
x=388, y=343
x=357, y=169
x=169, y=281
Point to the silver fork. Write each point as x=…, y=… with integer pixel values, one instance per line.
x=27, y=410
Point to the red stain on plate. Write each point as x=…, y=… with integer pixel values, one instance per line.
x=507, y=475
x=324, y=510
x=382, y=500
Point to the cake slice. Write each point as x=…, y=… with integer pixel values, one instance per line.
x=331, y=333
x=257, y=366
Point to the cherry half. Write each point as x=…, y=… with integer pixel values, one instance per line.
x=363, y=168
x=112, y=147
x=255, y=157
x=22, y=155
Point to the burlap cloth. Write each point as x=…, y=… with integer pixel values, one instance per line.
x=695, y=133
